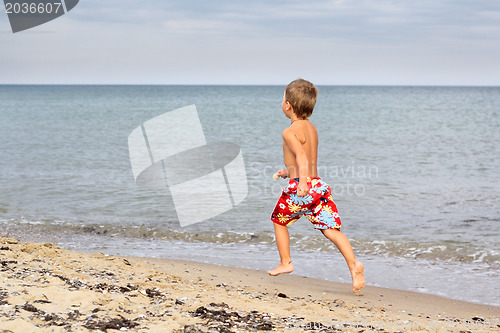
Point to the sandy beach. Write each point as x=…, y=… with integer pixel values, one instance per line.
x=44, y=288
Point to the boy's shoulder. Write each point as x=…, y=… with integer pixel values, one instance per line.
x=300, y=129
x=293, y=133
x=290, y=131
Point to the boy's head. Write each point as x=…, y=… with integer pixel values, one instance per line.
x=302, y=96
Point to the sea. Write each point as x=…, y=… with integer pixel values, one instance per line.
x=414, y=173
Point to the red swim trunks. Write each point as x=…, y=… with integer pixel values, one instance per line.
x=317, y=205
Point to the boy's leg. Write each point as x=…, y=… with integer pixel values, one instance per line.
x=355, y=266
x=283, y=243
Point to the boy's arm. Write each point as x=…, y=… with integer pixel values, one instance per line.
x=300, y=157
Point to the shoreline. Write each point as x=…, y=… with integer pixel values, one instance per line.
x=446, y=281
x=44, y=288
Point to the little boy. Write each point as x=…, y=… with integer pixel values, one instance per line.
x=306, y=193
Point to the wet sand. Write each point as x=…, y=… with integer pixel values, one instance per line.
x=44, y=288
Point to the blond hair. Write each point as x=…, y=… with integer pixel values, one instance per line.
x=302, y=96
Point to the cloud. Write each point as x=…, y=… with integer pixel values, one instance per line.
x=338, y=41
x=356, y=20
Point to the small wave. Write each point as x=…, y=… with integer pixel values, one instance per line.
x=452, y=251
x=447, y=251
x=133, y=231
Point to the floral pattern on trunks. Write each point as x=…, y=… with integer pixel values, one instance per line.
x=317, y=206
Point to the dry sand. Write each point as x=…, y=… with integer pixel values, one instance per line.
x=44, y=288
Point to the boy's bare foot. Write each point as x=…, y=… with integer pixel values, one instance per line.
x=281, y=269
x=358, y=277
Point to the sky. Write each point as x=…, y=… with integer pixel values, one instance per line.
x=338, y=42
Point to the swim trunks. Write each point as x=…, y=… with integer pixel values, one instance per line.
x=317, y=205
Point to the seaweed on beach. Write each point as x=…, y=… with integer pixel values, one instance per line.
x=3, y=296
x=318, y=326
x=29, y=307
x=5, y=263
x=53, y=319
x=105, y=287
x=74, y=316
x=110, y=323
x=223, y=319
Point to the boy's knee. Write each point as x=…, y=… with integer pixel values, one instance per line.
x=329, y=231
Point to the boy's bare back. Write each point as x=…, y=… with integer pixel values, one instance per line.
x=301, y=136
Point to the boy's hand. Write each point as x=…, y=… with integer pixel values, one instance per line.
x=283, y=173
x=302, y=189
